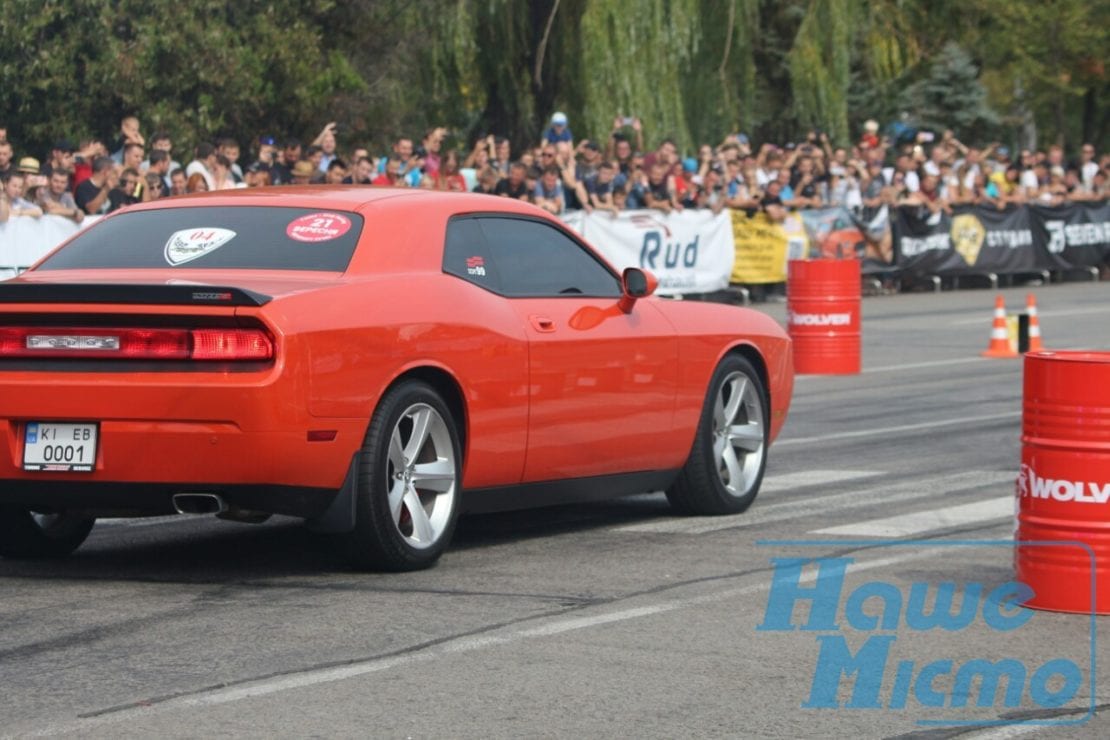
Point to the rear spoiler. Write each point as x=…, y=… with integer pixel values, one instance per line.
x=163, y=295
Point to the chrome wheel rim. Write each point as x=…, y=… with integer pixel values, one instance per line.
x=738, y=447
x=420, y=476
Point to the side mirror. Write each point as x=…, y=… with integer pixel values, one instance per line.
x=635, y=283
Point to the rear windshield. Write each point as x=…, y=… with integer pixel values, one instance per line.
x=239, y=237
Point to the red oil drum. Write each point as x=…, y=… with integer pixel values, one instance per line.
x=823, y=315
x=1063, y=490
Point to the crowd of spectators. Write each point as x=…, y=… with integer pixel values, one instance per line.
x=561, y=173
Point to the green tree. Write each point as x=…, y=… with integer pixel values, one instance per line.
x=951, y=96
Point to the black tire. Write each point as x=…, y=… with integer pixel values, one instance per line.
x=381, y=539
x=705, y=485
x=26, y=534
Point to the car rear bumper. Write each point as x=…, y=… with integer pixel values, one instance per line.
x=109, y=498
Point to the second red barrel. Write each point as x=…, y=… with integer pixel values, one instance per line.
x=823, y=315
x=1062, y=541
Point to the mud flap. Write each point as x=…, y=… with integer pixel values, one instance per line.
x=340, y=515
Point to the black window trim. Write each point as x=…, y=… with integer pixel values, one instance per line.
x=570, y=234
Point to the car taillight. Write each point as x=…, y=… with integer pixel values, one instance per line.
x=136, y=344
x=231, y=344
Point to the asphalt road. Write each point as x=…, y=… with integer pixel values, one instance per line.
x=612, y=619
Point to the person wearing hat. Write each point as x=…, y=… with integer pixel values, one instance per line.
x=870, y=138
x=302, y=172
x=558, y=130
x=28, y=166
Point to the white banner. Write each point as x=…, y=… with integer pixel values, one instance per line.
x=689, y=251
x=24, y=240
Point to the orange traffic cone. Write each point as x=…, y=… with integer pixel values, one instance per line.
x=1000, y=337
x=1035, y=343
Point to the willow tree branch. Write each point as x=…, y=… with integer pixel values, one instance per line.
x=542, y=48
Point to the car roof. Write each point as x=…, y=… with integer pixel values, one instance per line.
x=410, y=222
x=340, y=197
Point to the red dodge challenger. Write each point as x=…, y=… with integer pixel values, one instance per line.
x=374, y=361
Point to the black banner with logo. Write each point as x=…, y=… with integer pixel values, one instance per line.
x=1078, y=234
x=1018, y=239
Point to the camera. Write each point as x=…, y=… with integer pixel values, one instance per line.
x=627, y=120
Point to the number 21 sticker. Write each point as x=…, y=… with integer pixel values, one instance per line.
x=318, y=227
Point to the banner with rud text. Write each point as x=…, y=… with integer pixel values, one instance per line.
x=688, y=251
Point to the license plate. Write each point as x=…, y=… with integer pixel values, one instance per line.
x=59, y=446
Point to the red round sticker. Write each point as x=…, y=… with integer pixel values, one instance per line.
x=318, y=227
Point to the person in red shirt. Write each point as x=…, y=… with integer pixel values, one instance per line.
x=392, y=175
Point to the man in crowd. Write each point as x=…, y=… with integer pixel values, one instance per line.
x=361, y=173
x=6, y=154
x=337, y=172
x=392, y=177
x=515, y=185
x=133, y=156
x=599, y=188
x=128, y=192
x=178, y=181
x=326, y=141
x=161, y=141
x=1088, y=167
x=128, y=134
x=282, y=171
x=159, y=164
x=589, y=159
x=660, y=193
x=229, y=148
x=61, y=157
x=55, y=199
x=548, y=194
x=204, y=164
x=92, y=194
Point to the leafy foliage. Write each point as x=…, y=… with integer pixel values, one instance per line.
x=691, y=69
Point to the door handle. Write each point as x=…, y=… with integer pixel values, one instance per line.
x=542, y=323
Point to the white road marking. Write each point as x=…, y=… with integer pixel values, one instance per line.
x=916, y=365
x=917, y=522
x=317, y=676
x=883, y=431
x=805, y=478
x=879, y=495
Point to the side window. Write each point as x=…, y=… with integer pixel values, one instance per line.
x=534, y=260
x=465, y=254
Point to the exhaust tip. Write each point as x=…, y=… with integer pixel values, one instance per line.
x=198, y=503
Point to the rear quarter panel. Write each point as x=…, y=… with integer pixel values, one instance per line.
x=709, y=331
x=395, y=312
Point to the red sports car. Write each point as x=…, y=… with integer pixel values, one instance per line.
x=375, y=361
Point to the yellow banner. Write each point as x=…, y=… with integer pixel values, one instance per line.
x=760, y=249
